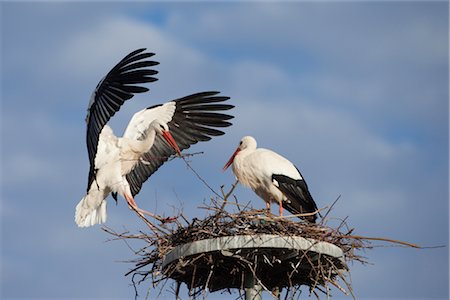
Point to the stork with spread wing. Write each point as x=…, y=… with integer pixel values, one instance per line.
x=120, y=165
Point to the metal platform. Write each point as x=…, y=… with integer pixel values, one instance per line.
x=250, y=261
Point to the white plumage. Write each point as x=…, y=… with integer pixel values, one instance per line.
x=117, y=157
x=272, y=177
x=120, y=165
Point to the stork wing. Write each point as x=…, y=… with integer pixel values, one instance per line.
x=299, y=200
x=141, y=120
x=119, y=85
x=195, y=119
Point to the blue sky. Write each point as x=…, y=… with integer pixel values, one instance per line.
x=354, y=93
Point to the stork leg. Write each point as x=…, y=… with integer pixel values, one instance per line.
x=281, y=209
x=132, y=204
x=130, y=201
x=268, y=206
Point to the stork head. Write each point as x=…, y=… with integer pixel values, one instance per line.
x=246, y=143
x=162, y=129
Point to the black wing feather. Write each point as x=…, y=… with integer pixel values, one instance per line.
x=299, y=200
x=195, y=120
x=111, y=92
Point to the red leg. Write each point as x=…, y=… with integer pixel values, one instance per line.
x=130, y=201
x=132, y=204
x=281, y=209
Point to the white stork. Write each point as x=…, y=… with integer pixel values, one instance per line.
x=272, y=177
x=120, y=165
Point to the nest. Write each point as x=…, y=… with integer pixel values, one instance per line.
x=279, y=271
x=274, y=269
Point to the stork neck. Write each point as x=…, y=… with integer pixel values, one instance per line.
x=242, y=154
x=149, y=139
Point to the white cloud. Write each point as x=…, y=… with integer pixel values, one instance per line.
x=358, y=61
x=89, y=51
x=38, y=149
x=88, y=55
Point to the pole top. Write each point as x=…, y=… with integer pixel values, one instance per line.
x=276, y=260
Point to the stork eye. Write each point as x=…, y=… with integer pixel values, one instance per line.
x=240, y=143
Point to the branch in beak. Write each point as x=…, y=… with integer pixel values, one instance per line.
x=170, y=140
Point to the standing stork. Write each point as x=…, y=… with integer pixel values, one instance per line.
x=120, y=165
x=272, y=177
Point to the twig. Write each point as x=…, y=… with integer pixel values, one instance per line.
x=200, y=272
x=381, y=239
x=329, y=210
x=299, y=215
x=200, y=178
x=152, y=227
x=225, y=196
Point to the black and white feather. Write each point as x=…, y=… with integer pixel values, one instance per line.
x=195, y=119
x=120, y=165
x=272, y=177
x=119, y=85
x=298, y=199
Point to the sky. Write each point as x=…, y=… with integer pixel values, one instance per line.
x=354, y=93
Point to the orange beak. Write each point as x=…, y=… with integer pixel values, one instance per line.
x=170, y=140
x=230, y=161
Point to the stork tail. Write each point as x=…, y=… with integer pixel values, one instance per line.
x=89, y=212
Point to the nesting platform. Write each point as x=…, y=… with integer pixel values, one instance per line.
x=246, y=249
x=242, y=261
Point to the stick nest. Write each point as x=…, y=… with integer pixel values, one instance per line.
x=280, y=272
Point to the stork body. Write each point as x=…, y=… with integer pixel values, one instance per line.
x=116, y=157
x=272, y=177
x=120, y=165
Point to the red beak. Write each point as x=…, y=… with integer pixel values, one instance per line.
x=230, y=161
x=170, y=140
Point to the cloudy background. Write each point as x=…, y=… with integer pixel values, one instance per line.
x=355, y=94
